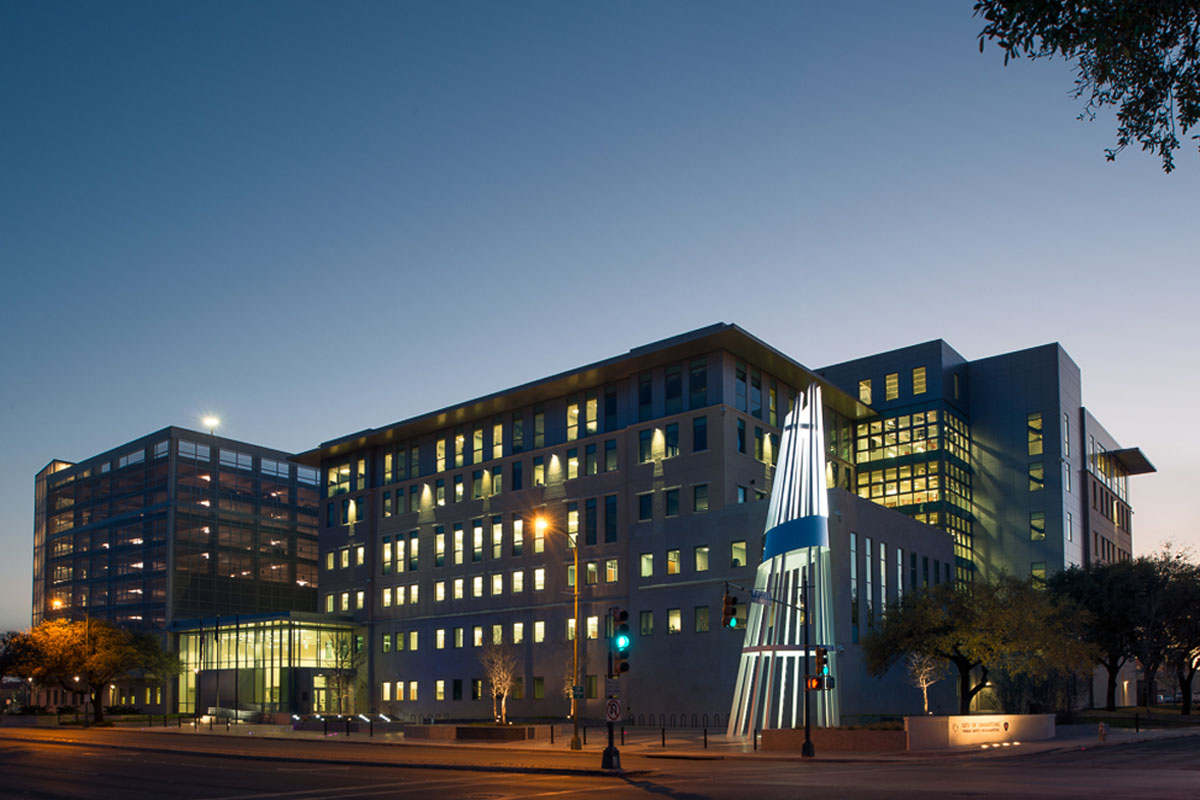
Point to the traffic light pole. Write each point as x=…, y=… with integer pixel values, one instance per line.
x=806, y=751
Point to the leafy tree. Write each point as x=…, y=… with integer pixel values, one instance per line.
x=500, y=667
x=14, y=653
x=1141, y=56
x=156, y=664
x=1104, y=591
x=1149, y=603
x=1004, y=623
x=1183, y=628
x=94, y=650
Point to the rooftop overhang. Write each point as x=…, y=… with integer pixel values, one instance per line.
x=1132, y=460
x=721, y=336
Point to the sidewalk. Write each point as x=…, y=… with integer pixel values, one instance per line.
x=390, y=749
x=693, y=743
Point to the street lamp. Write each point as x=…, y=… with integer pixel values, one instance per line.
x=540, y=524
x=212, y=423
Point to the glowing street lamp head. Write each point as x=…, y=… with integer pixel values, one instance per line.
x=211, y=422
x=56, y=603
x=540, y=524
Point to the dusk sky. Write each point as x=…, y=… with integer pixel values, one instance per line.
x=312, y=218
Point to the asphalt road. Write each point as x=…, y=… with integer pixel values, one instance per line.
x=32, y=768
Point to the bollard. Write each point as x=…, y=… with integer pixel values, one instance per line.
x=372, y=722
x=585, y=734
x=551, y=733
x=622, y=734
x=664, y=736
x=227, y=724
x=347, y=726
x=706, y=738
x=210, y=723
x=756, y=739
x=1137, y=723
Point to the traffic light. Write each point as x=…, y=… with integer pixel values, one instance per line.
x=729, y=617
x=812, y=683
x=822, y=661
x=620, y=641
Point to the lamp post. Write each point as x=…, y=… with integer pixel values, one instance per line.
x=541, y=524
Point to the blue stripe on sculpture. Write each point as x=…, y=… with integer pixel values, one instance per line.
x=796, y=533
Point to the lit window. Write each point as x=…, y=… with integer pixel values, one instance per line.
x=701, y=558
x=672, y=562
x=1034, y=430
x=477, y=586
x=439, y=690
x=864, y=391
x=737, y=552
x=518, y=632
x=439, y=591
x=539, y=631
x=518, y=581
x=891, y=386
x=918, y=378
x=610, y=570
x=539, y=579
x=593, y=627
x=1037, y=477
x=674, y=621
x=458, y=588
x=497, y=584
x=1037, y=526
x=439, y=639
x=647, y=562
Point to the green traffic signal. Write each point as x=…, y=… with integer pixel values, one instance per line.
x=621, y=641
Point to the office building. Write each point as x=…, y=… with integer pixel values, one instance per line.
x=172, y=526
x=656, y=465
x=1022, y=475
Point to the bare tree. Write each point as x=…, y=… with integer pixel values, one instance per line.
x=500, y=667
x=925, y=670
x=344, y=660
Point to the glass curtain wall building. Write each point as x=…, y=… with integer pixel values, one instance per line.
x=174, y=525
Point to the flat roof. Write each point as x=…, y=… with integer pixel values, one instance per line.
x=721, y=336
x=1132, y=460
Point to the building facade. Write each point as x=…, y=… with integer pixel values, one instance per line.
x=174, y=525
x=1000, y=452
x=656, y=465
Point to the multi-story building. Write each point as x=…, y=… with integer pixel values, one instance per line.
x=655, y=465
x=999, y=452
x=172, y=526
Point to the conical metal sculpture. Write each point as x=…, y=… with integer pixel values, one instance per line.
x=771, y=676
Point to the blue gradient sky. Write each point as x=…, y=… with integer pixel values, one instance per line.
x=312, y=218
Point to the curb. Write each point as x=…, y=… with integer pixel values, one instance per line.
x=594, y=772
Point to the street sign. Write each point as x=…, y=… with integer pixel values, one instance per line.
x=612, y=710
x=612, y=687
x=577, y=692
x=760, y=596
